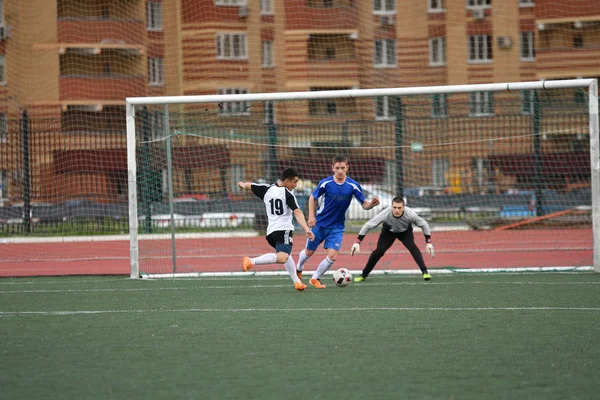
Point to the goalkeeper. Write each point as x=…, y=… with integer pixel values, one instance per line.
x=397, y=224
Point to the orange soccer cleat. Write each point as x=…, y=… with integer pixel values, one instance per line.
x=299, y=286
x=246, y=264
x=317, y=283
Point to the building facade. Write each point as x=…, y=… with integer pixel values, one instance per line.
x=70, y=64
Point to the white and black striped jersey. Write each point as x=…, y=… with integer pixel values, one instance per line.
x=280, y=204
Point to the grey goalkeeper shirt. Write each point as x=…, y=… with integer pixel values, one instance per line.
x=395, y=224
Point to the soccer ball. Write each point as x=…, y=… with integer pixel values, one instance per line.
x=342, y=277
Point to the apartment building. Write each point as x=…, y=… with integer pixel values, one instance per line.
x=71, y=63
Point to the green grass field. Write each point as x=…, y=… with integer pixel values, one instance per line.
x=519, y=336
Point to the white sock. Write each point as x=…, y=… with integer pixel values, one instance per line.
x=322, y=268
x=290, y=266
x=302, y=258
x=269, y=258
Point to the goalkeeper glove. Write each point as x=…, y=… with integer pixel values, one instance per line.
x=355, y=248
x=429, y=249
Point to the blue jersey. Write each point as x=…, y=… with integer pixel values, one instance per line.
x=335, y=199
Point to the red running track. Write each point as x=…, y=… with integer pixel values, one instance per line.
x=473, y=249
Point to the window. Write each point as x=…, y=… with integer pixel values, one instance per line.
x=157, y=125
x=578, y=42
x=155, y=71
x=440, y=168
x=385, y=108
x=437, y=51
x=153, y=16
x=2, y=69
x=267, y=53
x=480, y=48
x=480, y=104
x=234, y=107
x=232, y=46
x=526, y=3
x=435, y=5
x=385, y=53
x=384, y=6
x=527, y=99
x=331, y=107
x=266, y=7
x=478, y=4
x=269, y=108
x=230, y=2
x=3, y=128
x=439, y=106
x=527, y=48
x=3, y=185
x=318, y=107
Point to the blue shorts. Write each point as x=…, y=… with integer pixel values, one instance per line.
x=331, y=236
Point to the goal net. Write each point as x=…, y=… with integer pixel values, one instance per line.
x=501, y=172
x=67, y=67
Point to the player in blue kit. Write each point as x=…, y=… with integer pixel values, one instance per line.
x=334, y=194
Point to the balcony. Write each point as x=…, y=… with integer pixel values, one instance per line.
x=319, y=14
x=325, y=73
x=101, y=88
x=101, y=31
x=560, y=10
x=568, y=62
x=333, y=71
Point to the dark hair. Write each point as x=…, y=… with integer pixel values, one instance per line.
x=289, y=173
x=398, y=199
x=338, y=159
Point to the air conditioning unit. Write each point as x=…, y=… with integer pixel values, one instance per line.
x=243, y=12
x=387, y=19
x=479, y=13
x=504, y=42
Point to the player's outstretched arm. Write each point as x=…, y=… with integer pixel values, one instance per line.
x=421, y=223
x=311, y=211
x=429, y=246
x=245, y=185
x=368, y=226
x=302, y=221
x=356, y=246
x=367, y=205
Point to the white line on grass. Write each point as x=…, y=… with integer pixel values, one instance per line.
x=112, y=290
x=411, y=274
x=246, y=310
x=142, y=289
x=66, y=279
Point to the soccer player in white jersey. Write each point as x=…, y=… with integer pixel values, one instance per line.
x=281, y=206
x=335, y=193
x=397, y=224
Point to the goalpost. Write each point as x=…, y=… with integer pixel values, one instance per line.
x=502, y=172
